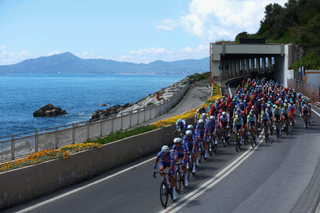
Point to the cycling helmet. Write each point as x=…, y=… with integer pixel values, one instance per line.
x=201, y=121
x=277, y=103
x=179, y=120
x=204, y=114
x=203, y=117
x=188, y=132
x=255, y=107
x=243, y=112
x=224, y=113
x=189, y=126
x=165, y=149
x=305, y=105
x=268, y=105
x=284, y=104
x=212, y=117
x=202, y=107
x=291, y=102
x=275, y=107
x=177, y=140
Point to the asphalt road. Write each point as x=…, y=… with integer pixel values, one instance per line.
x=282, y=176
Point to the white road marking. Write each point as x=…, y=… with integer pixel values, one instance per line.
x=83, y=187
x=212, y=181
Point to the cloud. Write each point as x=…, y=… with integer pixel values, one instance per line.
x=153, y=54
x=54, y=53
x=167, y=24
x=2, y=47
x=213, y=20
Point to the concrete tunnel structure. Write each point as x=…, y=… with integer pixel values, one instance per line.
x=228, y=59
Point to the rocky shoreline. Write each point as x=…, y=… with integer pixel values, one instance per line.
x=152, y=99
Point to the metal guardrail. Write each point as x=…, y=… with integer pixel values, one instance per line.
x=22, y=144
x=310, y=91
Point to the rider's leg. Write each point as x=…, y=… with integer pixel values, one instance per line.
x=206, y=149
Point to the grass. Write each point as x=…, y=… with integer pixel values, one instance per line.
x=123, y=134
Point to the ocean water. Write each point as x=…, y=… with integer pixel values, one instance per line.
x=79, y=95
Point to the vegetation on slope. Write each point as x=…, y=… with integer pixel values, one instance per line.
x=297, y=22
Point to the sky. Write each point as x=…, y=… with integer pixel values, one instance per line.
x=140, y=31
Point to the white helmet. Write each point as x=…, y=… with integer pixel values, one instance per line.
x=188, y=132
x=201, y=121
x=203, y=117
x=204, y=114
x=165, y=149
x=212, y=117
x=189, y=126
x=224, y=113
x=177, y=140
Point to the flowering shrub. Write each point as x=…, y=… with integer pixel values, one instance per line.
x=216, y=93
x=80, y=146
x=34, y=158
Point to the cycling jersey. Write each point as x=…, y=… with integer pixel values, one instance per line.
x=200, y=130
x=238, y=123
x=181, y=126
x=180, y=150
x=224, y=119
x=292, y=107
x=189, y=143
x=169, y=158
x=211, y=126
x=285, y=111
x=265, y=116
x=277, y=112
x=251, y=118
x=166, y=162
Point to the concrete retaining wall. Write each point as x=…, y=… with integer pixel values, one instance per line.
x=30, y=182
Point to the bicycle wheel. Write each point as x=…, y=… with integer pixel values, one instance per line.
x=210, y=149
x=177, y=177
x=287, y=128
x=306, y=122
x=237, y=142
x=164, y=194
x=190, y=166
x=277, y=130
x=224, y=142
x=215, y=148
x=200, y=154
x=227, y=140
x=271, y=129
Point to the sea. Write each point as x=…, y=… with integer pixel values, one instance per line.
x=79, y=95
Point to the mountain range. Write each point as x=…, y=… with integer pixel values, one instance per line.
x=67, y=63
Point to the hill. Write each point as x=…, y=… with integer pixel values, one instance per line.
x=67, y=63
x=297, y=22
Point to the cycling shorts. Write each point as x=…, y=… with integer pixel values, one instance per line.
x=237, y=127
x=264, y=122
x=190, y=146
x=291, y=111
x=285, y=116
x=277, y=116
x=224, y=124
x=305, y=112
x=167, y=165
x=251, y=124
x=179, y=155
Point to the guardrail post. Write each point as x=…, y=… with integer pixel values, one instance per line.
x=100, y=127
x=137, y=116
x=73, y=134
x=12, y=147
x=56, y=139
x=88, y=131
x=36, y=148
x=112, y=124
x=121, y=121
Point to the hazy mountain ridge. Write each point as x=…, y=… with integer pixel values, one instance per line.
x=67, y=63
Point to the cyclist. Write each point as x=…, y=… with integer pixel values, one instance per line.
x=305, y=111
x=201, y=136
x=252, y=124
x=224, y=122
x=167, y=161
x=292, y=111
x=190, y=143
x=285, y=112
x=238, y=126
x=309, y=108
x=211, y=128
x=181, y=126
x=181, y=153
x=277, y=117
x=265, y=120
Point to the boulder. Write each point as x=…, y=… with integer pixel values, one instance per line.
x=49, y=110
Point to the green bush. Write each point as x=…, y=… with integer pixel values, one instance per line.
x=123, y=134
x=150, y=104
